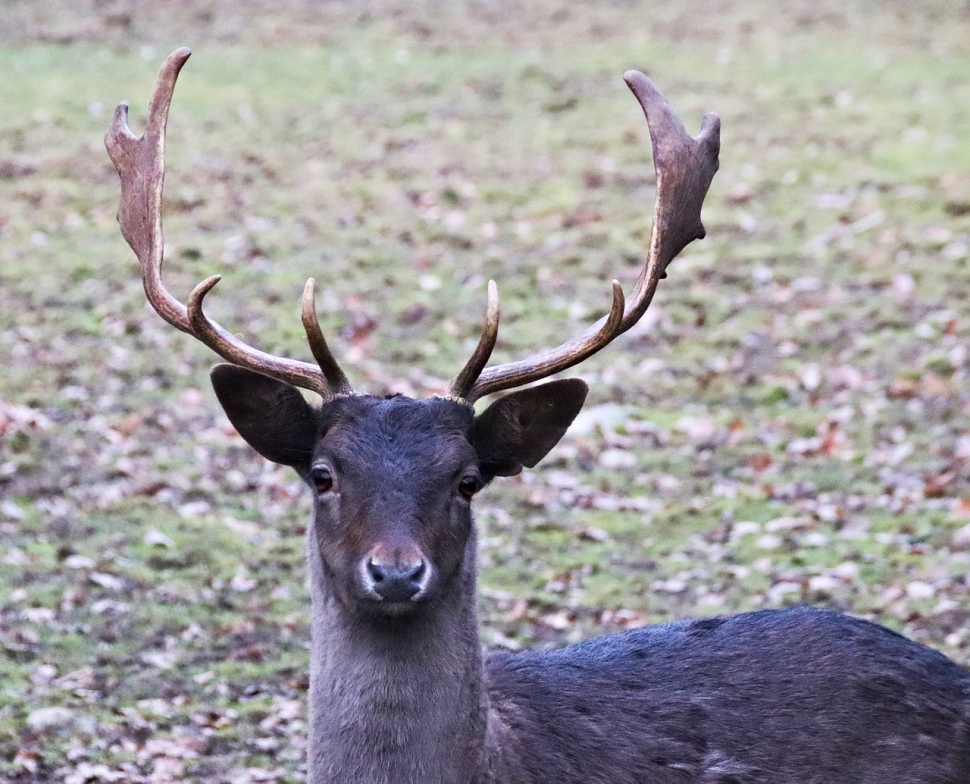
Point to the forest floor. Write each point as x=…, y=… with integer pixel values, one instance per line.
x=788, y=425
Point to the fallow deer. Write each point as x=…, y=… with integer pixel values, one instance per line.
x=400, y=692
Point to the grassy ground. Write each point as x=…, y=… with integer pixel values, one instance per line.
x=790, y=425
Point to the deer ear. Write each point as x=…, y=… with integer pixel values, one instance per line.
x=519, y=429
x=271, y=415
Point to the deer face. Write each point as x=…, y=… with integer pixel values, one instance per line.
x=392, y=481
x=393, y=478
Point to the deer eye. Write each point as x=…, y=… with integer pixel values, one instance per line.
x=322, y=479
x=469, y=486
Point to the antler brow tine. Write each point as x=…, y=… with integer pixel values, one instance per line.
x=463, y=383
x=318, y=343
x=685, y=167
x=140, y=162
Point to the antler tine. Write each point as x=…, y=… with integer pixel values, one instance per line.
x=516, y=374
x=140, y=162
x=685, y=167
x=339, y=384
x=464, y=381
x=230, y=348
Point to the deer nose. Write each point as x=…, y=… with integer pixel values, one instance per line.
x=396, y=581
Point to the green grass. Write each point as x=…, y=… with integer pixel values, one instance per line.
x=792, y=421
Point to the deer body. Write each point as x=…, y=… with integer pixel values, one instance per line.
x=403, y=697
x=801, y=695
x=704, y=702
x=399, y=690
x=765, y=697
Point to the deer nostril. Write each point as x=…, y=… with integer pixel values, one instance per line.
x=376, y=571
x=396, y=582
x=417, y=571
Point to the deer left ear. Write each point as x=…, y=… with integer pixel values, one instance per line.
x=519, y=429
x=272, y=416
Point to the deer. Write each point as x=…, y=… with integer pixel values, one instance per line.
x=400, y=691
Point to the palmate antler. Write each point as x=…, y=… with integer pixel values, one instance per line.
x=140, y=162
x=685, y=167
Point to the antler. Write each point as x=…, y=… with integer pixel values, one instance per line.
x=685, y=167
x=140, y=162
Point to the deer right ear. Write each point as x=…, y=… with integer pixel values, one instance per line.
x=272, y=416
x=519, y=429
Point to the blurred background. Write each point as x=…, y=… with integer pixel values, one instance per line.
x=788, y=425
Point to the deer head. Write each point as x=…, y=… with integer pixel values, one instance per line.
x=393, y=478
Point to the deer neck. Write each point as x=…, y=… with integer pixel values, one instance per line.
x=396, y=703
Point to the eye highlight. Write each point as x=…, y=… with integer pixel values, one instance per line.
x=322, y=479
x=468, y=486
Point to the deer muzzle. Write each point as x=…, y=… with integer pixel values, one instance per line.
x=396, y=575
